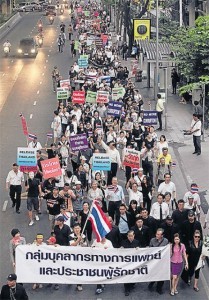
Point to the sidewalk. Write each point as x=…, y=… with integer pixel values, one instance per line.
x=189, y=168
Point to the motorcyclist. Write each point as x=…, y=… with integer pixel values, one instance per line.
x=40, y=26
x=7, y=44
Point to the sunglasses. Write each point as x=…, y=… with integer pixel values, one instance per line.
x=197, y=236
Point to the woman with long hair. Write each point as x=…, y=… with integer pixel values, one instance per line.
x=178, y=256
x=146, y=192
x=134, y=210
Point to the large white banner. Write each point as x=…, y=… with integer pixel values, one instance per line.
x=82, y=265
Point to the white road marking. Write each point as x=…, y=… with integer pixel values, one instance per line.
x=31, y=116
x=189, y=179
x=4, y=208
x=42, y=74
x=34, y=103
x=8, y=67
x=44, y=67
x=37, y=92
x=50, y=50
x=40, y=82
x=12, y=60
x=3, y=74
x=46, y=60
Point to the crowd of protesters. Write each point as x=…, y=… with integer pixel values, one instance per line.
x=137, y=219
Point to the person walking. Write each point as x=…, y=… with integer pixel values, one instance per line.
x=13, y=290
x=158, y=241
x=33, y=187
x=195, y=130
x=14, y=183
x=178, y=254
x=16, y=240
x=175, y=78
x=159, y=109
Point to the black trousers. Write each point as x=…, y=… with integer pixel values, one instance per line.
x=148, y=170
x=15, y=195
x=113, y=208
x=197, y=143
x=112, y=173
x=159, y=116
x=159, y=285
x=128, y=286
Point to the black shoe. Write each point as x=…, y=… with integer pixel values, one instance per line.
x=13, y=204
x=159, y=291
x=127, y=293
x=56, y=287
x=17, y=211
x=194, y=152
x=198, y=153
x=159, y=129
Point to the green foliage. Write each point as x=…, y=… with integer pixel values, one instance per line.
x=191, y=46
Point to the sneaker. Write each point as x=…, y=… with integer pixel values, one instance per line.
x=98, y=291
x=40, y=286
x=37, y=217
x=31, y=223
x=79, y=288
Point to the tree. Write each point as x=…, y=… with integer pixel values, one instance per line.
x=191, y=47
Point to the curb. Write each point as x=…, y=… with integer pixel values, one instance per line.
x=6, y=27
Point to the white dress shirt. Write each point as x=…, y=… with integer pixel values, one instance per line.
x=35, y=145
x=135, y=196
x=167, y=187
x=15, y=178
x=114, y=154
x=112, y=196
x=155, y=211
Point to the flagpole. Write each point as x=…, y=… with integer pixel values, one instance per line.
x=84, y=227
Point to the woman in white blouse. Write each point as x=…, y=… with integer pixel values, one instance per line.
x=94, y=192
x=161, y=144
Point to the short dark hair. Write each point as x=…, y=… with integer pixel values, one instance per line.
x=195, y=115
x=123, y=205
x=180, y=201
x=160, y=194
x=159, y=96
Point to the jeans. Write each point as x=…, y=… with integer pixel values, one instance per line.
x=15, y=195
x=197, y=143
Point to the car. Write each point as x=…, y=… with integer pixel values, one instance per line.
x=51, y=10
x=24, y=6
x=27, y=48
x=37, y=6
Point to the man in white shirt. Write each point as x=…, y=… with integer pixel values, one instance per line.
x=159, y=109
x=168, y=186
x=115, y=196
x=115, y=160
x=14, y=182
x=135, y=194
x=196, y=127
x=159, y=210
x=35, y=144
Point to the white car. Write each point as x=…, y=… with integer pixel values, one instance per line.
x=24, y=6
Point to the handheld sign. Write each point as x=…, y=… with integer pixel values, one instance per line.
x=79, y=142
x=26, y=157
x=51, y=168
x=101, y=161
x=131, y=158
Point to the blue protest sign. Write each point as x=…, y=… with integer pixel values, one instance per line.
x=82, y=63
x=149, y=117
x=26, y=157
x=101, y=162
x=114, y=108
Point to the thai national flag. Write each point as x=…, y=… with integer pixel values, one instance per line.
x=194, y=189
x=173, y=164
x=31, y=136
x=100, y=223
x=134, y=170
x=112, y=188
x=50, y=135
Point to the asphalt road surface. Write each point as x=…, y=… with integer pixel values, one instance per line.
x=25, y=86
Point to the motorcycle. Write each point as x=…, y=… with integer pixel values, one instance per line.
x=61, y=11
x=40, y=41
x=51, y=20
x=40, y=27
x=6, y=51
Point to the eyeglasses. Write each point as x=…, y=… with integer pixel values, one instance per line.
x=197, y=236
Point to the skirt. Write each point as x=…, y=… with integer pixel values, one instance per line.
x=177, y=268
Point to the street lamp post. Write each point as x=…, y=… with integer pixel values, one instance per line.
x=180, y=13
x=203, y=114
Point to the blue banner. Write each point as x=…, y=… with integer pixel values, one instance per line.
x=114, y=108
x=149, y=117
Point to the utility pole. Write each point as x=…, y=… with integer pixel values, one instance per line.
x=157, y=52
x=180, y=14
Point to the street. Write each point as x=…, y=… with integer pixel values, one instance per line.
x=26, y=87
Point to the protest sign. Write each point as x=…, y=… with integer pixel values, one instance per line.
x=107, y=79
x=86, y=13
x=65, y=83
x=149, y=117
x=78, y=97
x=114, y=109
x=51, y=167
x=28, y=169
x=102, y=97
x=86, y=265
x=131, y=158
x=118, y=93
x=26, y=157
x=101, y=161
x=84, y=56
x=82, y=63
x=79, y=142
x=98, y=42
x=62, y=93
x=104, y=38
x=91, y=97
